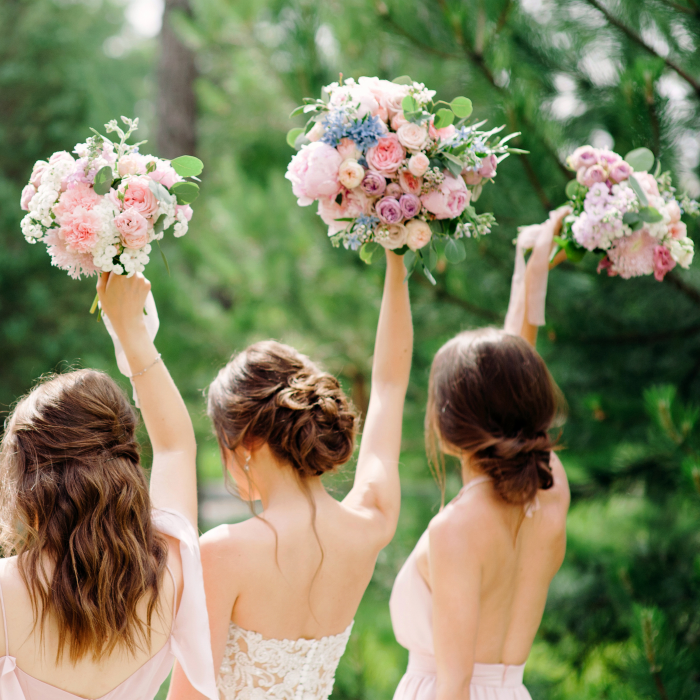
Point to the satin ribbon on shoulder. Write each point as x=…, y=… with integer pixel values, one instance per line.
x=152, y=325
x=10, y=689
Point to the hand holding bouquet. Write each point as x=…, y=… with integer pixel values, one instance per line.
x=621, y=210
x=390, y=167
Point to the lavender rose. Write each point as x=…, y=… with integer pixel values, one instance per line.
x=410, y=205
x=389, y=210
x=374, y=184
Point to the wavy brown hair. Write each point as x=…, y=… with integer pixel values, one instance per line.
x=492, y=399
x=75, y=508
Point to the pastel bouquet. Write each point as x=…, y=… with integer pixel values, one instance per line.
x=390, y=167
x=102, y=211
x=624, y=212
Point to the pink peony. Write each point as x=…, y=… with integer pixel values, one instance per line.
x=674, y=211
x=350, y=173
x=138, y=196
x=412, y=136
x=410, y=205
x=663, y=262
x=80, y=195
x=352, y=205
x=373, y=184
x=133, y=229
x=418, y=164
x=620, y=171
x=313, y=172
x=133, y=164
x=37, y=172
x=648, y=183
x=409, y=182
x=633, y=256
x=488, y=166
x=394, y=190
x=592, y=175
x=389, y=210
x=677, y=229
x=81, y=229
x=449, y=200
x=75, y=264
x=582, y=157
x=419, y=234
x=444, y=134
x=387, y=155
x=27, y=195
x=165, y=174
x=348, y=149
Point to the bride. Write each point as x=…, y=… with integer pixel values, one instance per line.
x=283, y=587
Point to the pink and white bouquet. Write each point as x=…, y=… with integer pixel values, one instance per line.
x=622, y=210
x=101, y=211
x=390, y=167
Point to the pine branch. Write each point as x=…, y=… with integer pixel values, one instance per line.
x=691, y=292
x=693, y=11
x=638, y=39
x=441, y=294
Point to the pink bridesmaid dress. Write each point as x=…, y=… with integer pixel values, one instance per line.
x=411, y=607
x=189, y=640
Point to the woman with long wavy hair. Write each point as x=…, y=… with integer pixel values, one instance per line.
x=101, y=589
x=470, y=597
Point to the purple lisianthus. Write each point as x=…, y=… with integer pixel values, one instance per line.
x=389, y=210
x=373, y=184
x=410, y=205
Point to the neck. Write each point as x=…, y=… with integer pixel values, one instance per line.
x=469, y=473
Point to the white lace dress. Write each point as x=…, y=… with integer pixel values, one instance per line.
x=256, y=668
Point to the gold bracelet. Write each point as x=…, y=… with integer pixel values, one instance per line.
x=143, y=371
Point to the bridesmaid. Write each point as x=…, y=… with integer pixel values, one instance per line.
x=105, y=588
x=470, y=598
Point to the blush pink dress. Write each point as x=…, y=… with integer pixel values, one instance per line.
x=189, y=640
x=411, y=607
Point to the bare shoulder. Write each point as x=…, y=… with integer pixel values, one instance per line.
x=555, y=501
x=231, y=547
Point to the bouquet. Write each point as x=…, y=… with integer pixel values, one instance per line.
x=626, y=213
x=102, y=211
x=390, y=167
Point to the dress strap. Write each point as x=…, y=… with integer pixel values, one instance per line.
x=172, y=576
x=4, y=622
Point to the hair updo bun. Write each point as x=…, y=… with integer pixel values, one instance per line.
x=273, y=394
x=492, y=398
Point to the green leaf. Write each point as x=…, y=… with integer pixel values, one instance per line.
x=574, y=252
x=650, y=215
x=641, y=159
x=403, y=80
x=426, y=271
x=454, y=165
x=186, y=192
x=630, y=217
x=462, y=107
x=637, y=225
x=295, y=112
x=151, y=167
x=641, y=196
x=293, y=134
x=454, y=251
x=368, y=250
x=432, y=256
x=160, y=192
x=103, y=180
x=572, y=189
x=444, y=118
x=165, y=260
x=409, y=104
x=187, y=166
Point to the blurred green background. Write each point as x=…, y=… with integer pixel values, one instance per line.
x=219, y=80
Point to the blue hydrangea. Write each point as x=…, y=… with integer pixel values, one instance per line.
x=365, y=132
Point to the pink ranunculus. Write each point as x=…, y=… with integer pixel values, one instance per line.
x=348, y=149
x=37, y=172
x=387, y=155
x=412, y=137
x=185, y=209
x=138, y=196
x=165, y=174
x=389, y=210
x=27, y=195
x=132, y=164
x=133, y=229
x=80, y=195
x=648, y=183
x=350, y=173
x=418, y=164
x=81, y=229
x=677, y=229
x=394, y=190
x=620, y=171
x=582, y=157
x=674, y=211
x=409, y=182
x=398, y=120
x=374, y=184
x=449, y=200
x=419, y=234
x=488, y=166
x=410, y=205
x=471, y=177
x=594, y=174
x=444, y=134
x=663, y=262
x=352, y=205
x=313, y=172
x=392, y=236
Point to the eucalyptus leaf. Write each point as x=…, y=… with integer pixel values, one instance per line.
x=368, y=251
x=572, y=189
x=462, y=107
x=454, y=251
x=403, y=80
x=641, y=159
x=641, y=196
x=103, y=180
x=574, y=253
x=296, y=111
x=426, y=272
x=409, y=104
x=454, y=165
x=443, y=118
x=476, y=192
x=186, y=192
x=159, y=191
x=630, y=217
x=432, y=256
x=165, y=260
x=293, y=134
x=637, y=225
x=187, y=166
x=650, y=215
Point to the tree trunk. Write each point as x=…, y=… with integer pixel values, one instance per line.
x=176, y=100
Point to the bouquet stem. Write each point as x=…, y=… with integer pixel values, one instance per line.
x=93, y=308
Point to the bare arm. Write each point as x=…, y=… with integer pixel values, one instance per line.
x=377, y=489
x=173, y=476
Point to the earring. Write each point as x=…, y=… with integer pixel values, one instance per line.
x=246, y=466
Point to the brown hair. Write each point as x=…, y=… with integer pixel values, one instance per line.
x=75, y=508
x=492, y=397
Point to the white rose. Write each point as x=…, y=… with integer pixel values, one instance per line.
x=681, y=250
x=412, y=136
x=392, y=236
x=350, y=173
x=419, y=234
x=418, y=164
x=131, y=165
x=316, y=132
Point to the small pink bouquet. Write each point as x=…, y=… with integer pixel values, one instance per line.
x=624, y=212
x=390, y=167
x=101, y=211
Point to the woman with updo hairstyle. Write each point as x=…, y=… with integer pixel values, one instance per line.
x=469, y=599
x=101, y=587
x=283, y=587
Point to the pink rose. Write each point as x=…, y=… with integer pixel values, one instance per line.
x=352, y=205
x=165, y=174
x=471, y=177
x=394, y=190
x=677, y=229
x=37, y=172
x=594, y=174
x=392, y=236
x=389, y=95
x=620, y=171
x=410, y=205
x=608, y=158
x=582, y=157
x=444, y=134
x=313, y=172
x=351, y=173
x=138, y=196
x=133, y=229
x=674, y=211
x=418, y=164
x=449, y=200
x=412, y=136
x=81, y=229
x=387, y=155
x=133, y=164
x=488, y=166
x=373, y=184
x=648, y=183
x=663, y=262
x=348, y=149
x=185, y=209
x=382, y=113
x=398, y=120
x=27, y=195
x=419, y=234
x=80, y=195
x=389, y=210
x=409, y=182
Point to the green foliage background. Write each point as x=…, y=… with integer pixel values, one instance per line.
x=623, y=620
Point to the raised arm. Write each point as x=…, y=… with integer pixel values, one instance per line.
x=377, y=489
x=173, y=476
